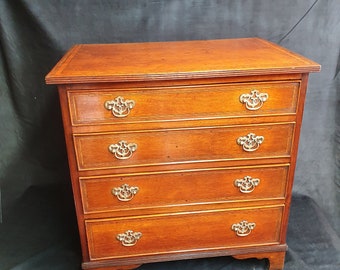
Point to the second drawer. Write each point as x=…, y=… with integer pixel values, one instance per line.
x=166, y=189
x=162, y=147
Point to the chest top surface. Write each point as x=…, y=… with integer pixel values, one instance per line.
x=152, y=61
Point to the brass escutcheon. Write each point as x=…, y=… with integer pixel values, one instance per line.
x=125, y=193
x=123, y=149
x=119, y=106
x=243, y=228
x=254, y=100
x=247, y=184
x=250, y=142
x=129, y=238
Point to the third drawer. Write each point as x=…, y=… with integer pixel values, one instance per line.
x=163, y=190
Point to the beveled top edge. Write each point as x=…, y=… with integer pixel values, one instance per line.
x=176, y=60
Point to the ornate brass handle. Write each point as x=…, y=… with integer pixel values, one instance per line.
x=125, y=193
x=129, y=238
x=243, y=228
x=247, y=184
x=119, y=107
x=122, y=149
x=254, y=100
x=250, y=142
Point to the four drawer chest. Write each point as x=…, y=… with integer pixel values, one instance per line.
x=181, y=150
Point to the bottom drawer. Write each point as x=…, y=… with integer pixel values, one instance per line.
x=183, y=232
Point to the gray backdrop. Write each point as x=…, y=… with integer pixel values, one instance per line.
x=35, y=34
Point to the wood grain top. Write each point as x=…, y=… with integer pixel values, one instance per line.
x=87, y=63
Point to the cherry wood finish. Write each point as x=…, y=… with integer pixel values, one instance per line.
x=220, y=97
x=160, y=61
x=183, y=145
x=191, y=231
x=190, y=187
x=192, y=178
x=276, y=259
x=121, y=267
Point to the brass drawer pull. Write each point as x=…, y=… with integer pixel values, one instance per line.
x=122, y=149
x=254, y=100
x=251, y=142
x=129, y=238
x=243, y=228
x=125, y=193
x=119, y=107
x=247, y=184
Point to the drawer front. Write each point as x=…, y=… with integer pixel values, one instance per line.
x=115, y=238
x=116, y=193
x=129, y=149
x=181, y=103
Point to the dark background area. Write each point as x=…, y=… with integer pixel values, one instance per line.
x=38, y=229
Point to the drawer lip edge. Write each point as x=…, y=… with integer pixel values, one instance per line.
x=256, y=166
x=183, y=163
x=279, y=205
x=187, y=255
x=164, y=209
x=187, y=251
x=178, y=120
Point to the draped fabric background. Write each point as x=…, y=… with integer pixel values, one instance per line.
x=38, y=229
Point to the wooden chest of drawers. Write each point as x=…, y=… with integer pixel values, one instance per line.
x=181, y=150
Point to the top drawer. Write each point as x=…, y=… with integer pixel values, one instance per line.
x=115, y=106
